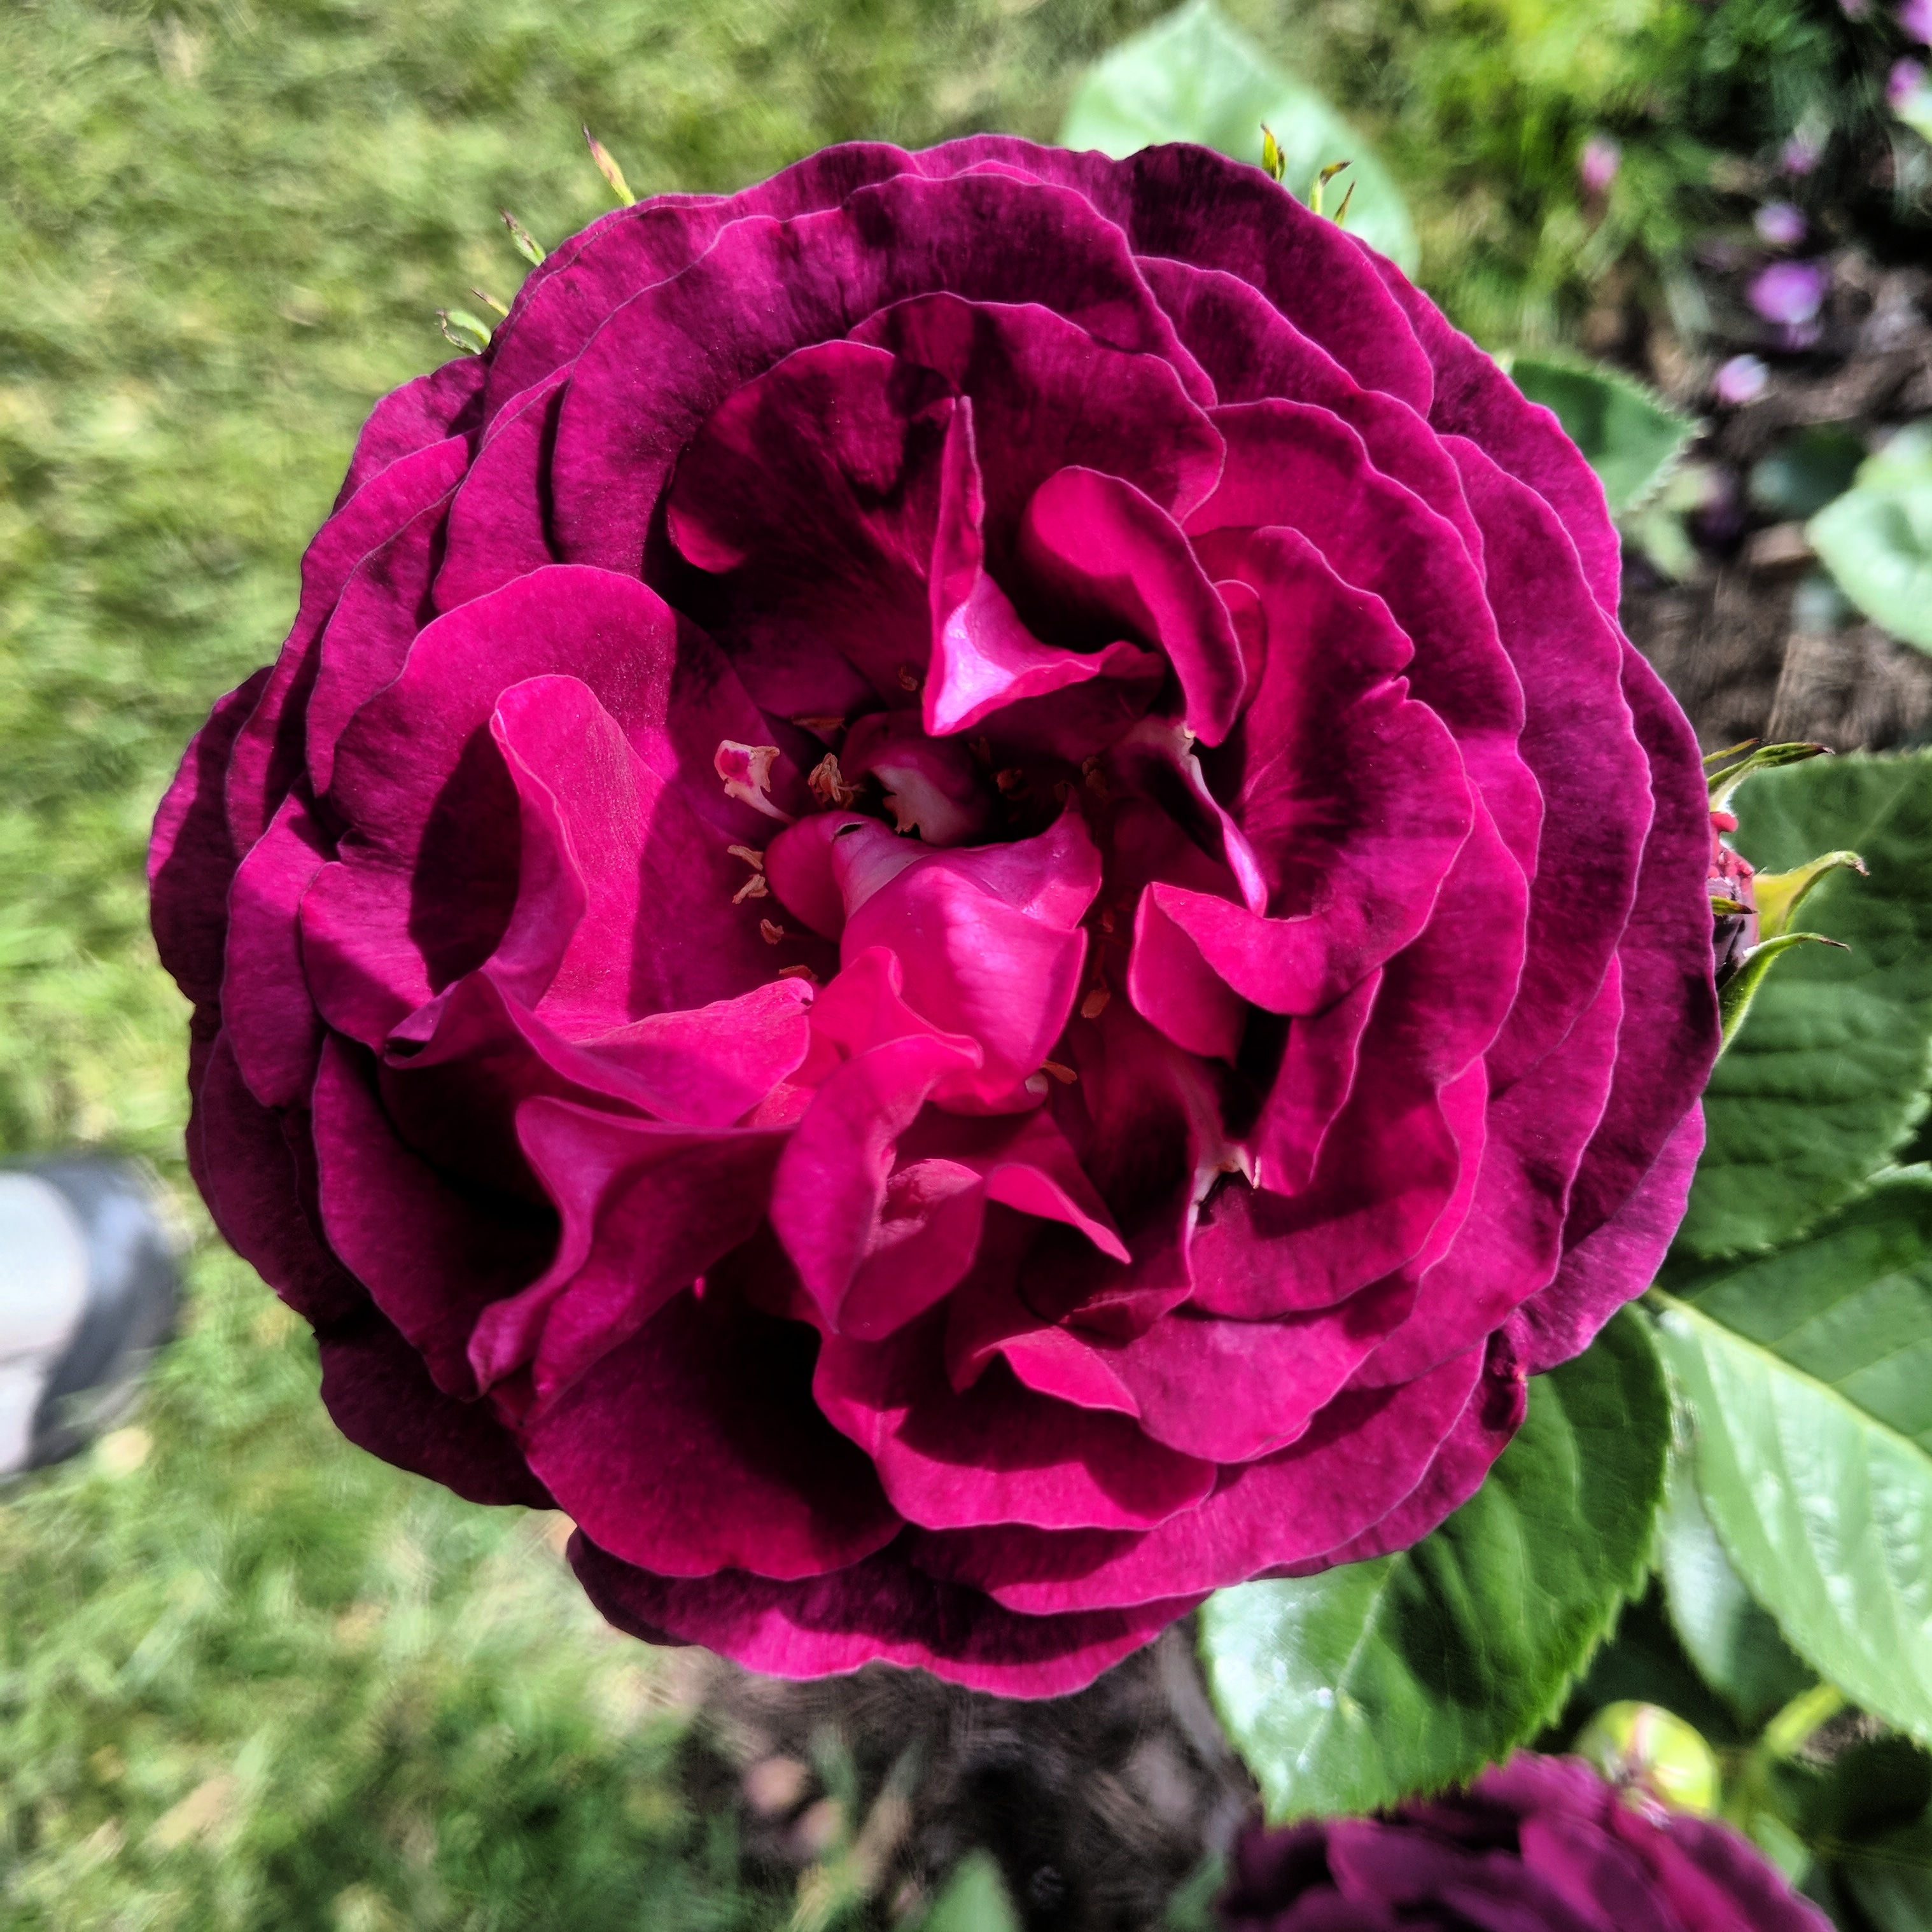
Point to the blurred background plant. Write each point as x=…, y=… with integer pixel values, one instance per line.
x=247, y=1676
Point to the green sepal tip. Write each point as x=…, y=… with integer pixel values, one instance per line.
x=462, y=329
x=608, y=167
x=1735, y=995
x=1751, y=756
x=1779, y=895
x=525, y=243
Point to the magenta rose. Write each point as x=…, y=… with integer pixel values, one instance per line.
x=956, y=907
x=1542, y=1844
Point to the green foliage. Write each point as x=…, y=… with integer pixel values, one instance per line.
x=1728, y=1634
x=1632, y=439
x=1826, y=1080
x=1876, y=538
x=974, y=1899
x=1194, y=77
x=1368, y=1683
x=1809, y=1372
x=1482, y=108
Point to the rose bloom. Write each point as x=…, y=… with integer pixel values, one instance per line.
x=1542, y=1844
x=955, y=906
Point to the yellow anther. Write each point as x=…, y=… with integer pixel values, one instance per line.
x=827, y=783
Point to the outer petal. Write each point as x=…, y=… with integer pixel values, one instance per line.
x=881, y=1609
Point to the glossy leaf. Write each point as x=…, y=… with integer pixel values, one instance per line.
x=1809, y=1372
x=1194, y=76
x=1632, y=439
x=1826, y=1080
x=1892, y=1879
x=1370, y=1683
x=1729, y=1636
x=1876, y=539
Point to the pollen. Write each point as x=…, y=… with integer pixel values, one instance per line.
x=1095, y=1003
x=1096, y=779
x=828, y=783
x=910, y=678
x=770, y=934
x=1065, y=1075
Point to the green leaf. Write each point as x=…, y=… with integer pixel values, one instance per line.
x=1731, y=1638
x=1371, y=1683
x=1809, y=1372
x=1890, y=1877
x=1736, y=997
x=1193, y=76
x=1827, y=1078
x=1876, y=538
x=973, y=1899
x=1808, y=469
x=1631, y=438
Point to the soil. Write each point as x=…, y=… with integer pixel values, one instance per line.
x=1747, y=654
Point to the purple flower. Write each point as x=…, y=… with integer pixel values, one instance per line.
x=877, y=928
x=1741, y=379
x=1597, y=166
x=1791, y=293
x=1902, y=83
x=1915, y=17
x=1541, y=1844
x=1779, y=225
x=1801, y=152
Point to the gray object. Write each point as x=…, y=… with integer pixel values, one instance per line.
x=88, y=1291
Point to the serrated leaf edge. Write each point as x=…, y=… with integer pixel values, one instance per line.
x=1672, y=1308
x=1623, y=1594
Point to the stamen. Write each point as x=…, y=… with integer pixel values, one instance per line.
x=1065, y=1075
x=753, y=888
x=750, y=854
x=911, y=678
x=982, y=750
x=1095, y=1003
x=1013, y=781
x=1096, y=779
x=770, y=934
x=799, y=973
x=823, y=726
x=828, y=785
x=746, y=771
